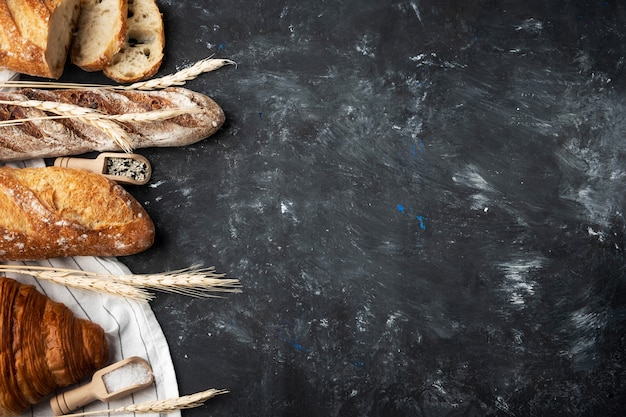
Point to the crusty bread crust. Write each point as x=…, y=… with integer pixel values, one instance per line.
x=56, y=212
x=100, y=33
x=61, y=137
x=142, y=53
x=35, y=35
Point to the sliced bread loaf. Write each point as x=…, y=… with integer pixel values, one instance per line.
x=142, y=53
x=100, y=34
x=35, y=35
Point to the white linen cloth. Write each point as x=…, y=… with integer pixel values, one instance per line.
x=131, y=327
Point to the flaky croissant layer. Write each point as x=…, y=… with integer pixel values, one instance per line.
x=43, y=346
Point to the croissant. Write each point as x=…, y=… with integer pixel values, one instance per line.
x=43, y=346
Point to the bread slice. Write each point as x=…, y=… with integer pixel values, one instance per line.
x=35, y=35
x=100, y=34
x=142, y=53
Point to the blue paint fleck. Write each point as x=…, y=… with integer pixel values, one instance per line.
x=298, y=346
x=419, y=148
x=358, y=364
x=421, y=219
x=293, y=342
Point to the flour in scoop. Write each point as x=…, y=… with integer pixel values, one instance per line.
x=126, y=376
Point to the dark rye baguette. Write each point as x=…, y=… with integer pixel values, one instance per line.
x=57, y=212
x=51, y=138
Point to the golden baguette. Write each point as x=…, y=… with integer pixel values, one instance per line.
x=57, y=212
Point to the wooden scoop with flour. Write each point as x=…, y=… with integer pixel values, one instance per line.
x=108, y=384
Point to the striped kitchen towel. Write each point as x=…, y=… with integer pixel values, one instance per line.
x=131, y=327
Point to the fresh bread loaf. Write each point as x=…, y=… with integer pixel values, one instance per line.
x=100, y=33
x=61, y=137
x=56, y=212
x=35, y=35
x=43, y=346
x=142, y=53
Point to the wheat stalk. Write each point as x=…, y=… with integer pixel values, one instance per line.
x=192, y=281
x=52, y=85
x=160, y=406
x=113, y=130
x=147, y=116
x=89, y=116
x=81, y=280
x=52, y=107
x=154, y=115
x=181, y=77
x=178, y=78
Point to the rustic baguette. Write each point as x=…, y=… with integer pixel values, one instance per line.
x=57, y=212
x=59, y=137
x=35, y=35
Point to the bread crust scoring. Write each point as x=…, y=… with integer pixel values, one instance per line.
x=61, y=137
x=57, y=212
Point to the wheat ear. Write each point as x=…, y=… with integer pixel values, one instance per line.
x=160, y=406
x=148, y=116
x=154, y=115
x=193, y=281
x=89, y=116
x=178, y=78
x=181, y=77
x=81, y=281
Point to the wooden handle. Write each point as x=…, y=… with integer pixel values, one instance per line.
x=93, y=165
x=69, y=401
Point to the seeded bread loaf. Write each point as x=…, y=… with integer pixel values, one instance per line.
x=142, y=53
x=35, y=35
x=56, y=212
x=61, y=137
x=100, y=33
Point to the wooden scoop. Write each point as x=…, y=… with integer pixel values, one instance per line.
x=126, y=168
x=108, y=384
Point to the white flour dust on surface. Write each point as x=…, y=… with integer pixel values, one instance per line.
x=520, y=280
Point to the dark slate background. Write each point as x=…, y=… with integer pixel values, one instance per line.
x=424, y=201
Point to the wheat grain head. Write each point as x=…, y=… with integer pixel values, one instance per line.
x=90, y=116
